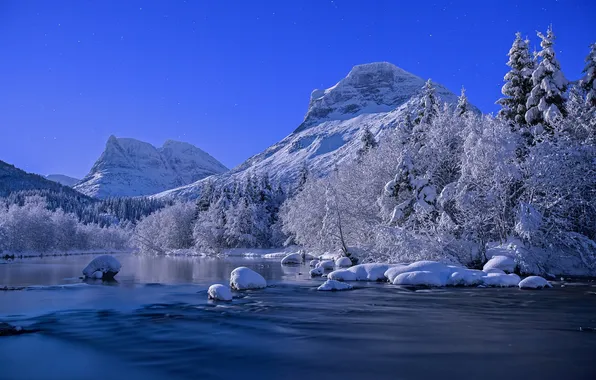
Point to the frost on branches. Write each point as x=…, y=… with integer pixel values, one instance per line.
x=588, y=82
x=546, y=101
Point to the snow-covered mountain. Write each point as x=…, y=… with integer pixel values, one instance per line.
x=129, y=167
x=373, y=96
x=62, y=179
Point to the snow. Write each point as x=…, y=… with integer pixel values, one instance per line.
x=63, y=179
x=292, y=258
x=534, y=282
x=326, y=264
x=317, y=272
x=243, y=278
x=104, y=266
x=332, y=285
x=500, y=280
x=420, y=278
x=361, y=272
x=494, y=270
x=313, y=263
x=466, y=277
x=343, y=262
x=129, y=167
x=442, y=270
x=505, y=263
x=219, y=292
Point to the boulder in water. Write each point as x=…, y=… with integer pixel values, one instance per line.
x=219, y=292
x=103, y=267
x=243, y=278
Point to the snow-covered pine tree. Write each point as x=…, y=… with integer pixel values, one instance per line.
x=546, y=102
x=463, y=105
x=518, y=82
x=429, y=106
x=368, y=142
x=588, y=82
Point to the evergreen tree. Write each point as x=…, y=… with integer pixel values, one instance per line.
x=429, y=106
x=463, y=105
x=368, y=142
x=588, y=82
x=546, y=102
x=518, y=82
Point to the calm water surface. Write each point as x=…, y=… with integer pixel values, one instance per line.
x=155, y=322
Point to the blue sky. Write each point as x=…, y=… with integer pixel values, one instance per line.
x=234, y=77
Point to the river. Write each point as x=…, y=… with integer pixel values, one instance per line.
x=155, y=322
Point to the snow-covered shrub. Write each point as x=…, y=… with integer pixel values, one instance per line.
x=167, y=229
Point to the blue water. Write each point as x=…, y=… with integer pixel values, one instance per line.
x=156, y=323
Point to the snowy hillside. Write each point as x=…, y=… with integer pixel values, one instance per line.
x=13, y=179
x=373, y=96
x=62, y=179
x=130, y=167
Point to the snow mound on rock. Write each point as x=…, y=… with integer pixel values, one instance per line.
x=326, y=264
x=343, y=262
x=292, y=258
x=317, y=272
x=314, y=263
x=243, y=278
x=421, y=278
x=219, y=292
x=466, y=277
x=534, y=282
x=500, y=280
x=504, y=263
x=442, y=270
x=332, y=285
x=102, y=267
x=361, y=272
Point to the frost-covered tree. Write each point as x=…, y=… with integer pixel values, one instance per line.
x=518, y=82
x=546, y=101
x=168, y=229
x=588, y=82
x=429, y=105
x=368, y=142
x=463, y=106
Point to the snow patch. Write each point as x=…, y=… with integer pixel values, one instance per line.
x=292, y=258
x=102, y=267
x=343, y=262
x=534, y=282
x=219, y=292
x=332, y=285
x=504, y=263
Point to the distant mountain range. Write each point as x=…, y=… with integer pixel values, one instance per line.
x=13, y=179
x=129, y=167
x=373, y=96
x=62, y=179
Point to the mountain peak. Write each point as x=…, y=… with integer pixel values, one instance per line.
x=368, y=88
x=130, y=167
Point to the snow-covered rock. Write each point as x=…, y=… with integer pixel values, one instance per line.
x=500, y=280
x=466, y=277
x=374, y=97
x=317, y=272
x=343, y=262
x=332, y=285
x=243, y=278
x=504, y=263
x=129, y=167
x=534, y=282
x=219, y=292
x=443, y=270
x=102, y=267
x=361, y=272
x=420, y=278
x=314, y=263
x=326, y=264
x=292, y=258
x=494, y=270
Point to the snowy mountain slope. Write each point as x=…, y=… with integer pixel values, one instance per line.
x=129, y=167
x=373, y=96
x=62, y=179
x=13, y=179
